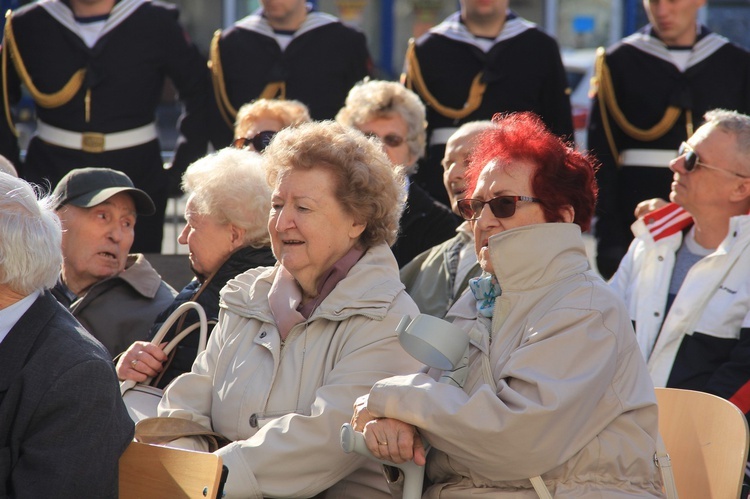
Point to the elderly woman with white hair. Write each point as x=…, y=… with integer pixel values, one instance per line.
x=63, y=425
x=225, y=231
x=395, y=115
x=297, y=343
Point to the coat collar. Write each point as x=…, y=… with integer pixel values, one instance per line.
x=453, y=28
x=62, y=13
x=140, y=275
x=257, y=23
x=664, y=222
x=672, y=220
x=537, y=255
x=704, y=47
x=368, y=289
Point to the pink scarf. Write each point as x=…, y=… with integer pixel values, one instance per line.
x=285, y=295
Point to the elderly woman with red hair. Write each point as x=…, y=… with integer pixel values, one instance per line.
x=554, y=393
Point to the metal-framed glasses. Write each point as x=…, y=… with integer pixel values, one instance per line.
x=390, y=140
x=692, y=160
x=259, y=141
x=501, y=206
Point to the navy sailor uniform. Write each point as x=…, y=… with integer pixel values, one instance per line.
x=646, y=81
x=323, y=60
x=520, y=69
x=112, y=87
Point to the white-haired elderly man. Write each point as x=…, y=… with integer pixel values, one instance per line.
x=63, y=425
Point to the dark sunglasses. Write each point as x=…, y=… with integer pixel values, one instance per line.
x=501, y=206
x=259, y=141
x=692, y=160
x=390, y=140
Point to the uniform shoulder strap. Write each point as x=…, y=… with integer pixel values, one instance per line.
x=608, y=104
x=273, y=90
x=414, y=81
x=48, y=100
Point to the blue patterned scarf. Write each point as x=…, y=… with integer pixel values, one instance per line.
x=485, y=289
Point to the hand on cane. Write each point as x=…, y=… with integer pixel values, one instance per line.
x=386, y=438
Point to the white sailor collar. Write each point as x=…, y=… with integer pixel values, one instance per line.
x=453, y=28
x=257, y=22
x=707, y=44
x=64, y=15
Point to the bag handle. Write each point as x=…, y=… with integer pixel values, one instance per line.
x=173, y=317
x=162, y=332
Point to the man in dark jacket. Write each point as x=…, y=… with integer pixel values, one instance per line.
x=63, y=425
x=115, y=295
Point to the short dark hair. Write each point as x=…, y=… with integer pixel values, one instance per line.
x=563, y=176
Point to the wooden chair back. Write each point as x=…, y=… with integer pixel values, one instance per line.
x=707, y=441
x=151, y=471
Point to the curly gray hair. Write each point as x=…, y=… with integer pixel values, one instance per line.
x=373, y=99
x=367, y=184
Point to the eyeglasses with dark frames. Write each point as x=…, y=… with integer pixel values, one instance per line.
x=501, y=206
x=692, y=160
x=259, y=141
x=390, y=140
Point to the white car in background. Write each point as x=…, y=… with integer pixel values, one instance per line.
x=579, y=67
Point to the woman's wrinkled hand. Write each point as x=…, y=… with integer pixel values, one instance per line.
x=141, y=361
x=388, y=439
x=395, y=441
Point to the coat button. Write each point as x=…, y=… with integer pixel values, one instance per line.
x=661, y=258
x=656, y=314
x=263, y=334
x=253, y=420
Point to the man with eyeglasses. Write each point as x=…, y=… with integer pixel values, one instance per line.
x=284, y=50
x=686, y=276
x=438, y=276
x=96, y=70
x=652, y=89
x=483, y=59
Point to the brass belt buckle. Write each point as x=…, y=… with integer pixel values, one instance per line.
x=92, y=142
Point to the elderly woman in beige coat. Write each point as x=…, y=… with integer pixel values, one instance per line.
x=555, y=394
x=297, y=343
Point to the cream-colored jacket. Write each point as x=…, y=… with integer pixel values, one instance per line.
x=283, y=404
x=556, y=384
